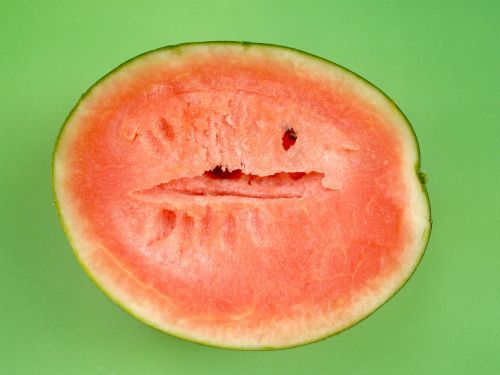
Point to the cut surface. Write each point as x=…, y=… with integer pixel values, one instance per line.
x=244, y=196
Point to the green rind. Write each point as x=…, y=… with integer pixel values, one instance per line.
x=421, y=177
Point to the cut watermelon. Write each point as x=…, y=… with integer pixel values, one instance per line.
x=241, y=195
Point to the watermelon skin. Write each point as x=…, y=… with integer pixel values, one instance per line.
x=238, y=345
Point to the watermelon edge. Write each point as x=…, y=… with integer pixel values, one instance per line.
x=422, y=178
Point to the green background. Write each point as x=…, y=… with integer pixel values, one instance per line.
x=438, y=60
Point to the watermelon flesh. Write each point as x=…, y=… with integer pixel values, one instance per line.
x=244, y=196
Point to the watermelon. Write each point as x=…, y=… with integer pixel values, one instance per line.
x=241, y=195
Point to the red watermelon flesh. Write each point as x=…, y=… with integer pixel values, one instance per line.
x=241, y=195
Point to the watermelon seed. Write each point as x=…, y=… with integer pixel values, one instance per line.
x=289, y=138
x=223, y=173
x=296, y=175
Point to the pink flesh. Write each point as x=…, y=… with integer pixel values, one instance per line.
x=296, y=227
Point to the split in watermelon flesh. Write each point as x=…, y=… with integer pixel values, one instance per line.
x=241, y=195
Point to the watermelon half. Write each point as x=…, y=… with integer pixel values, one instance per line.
x=241, y=195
